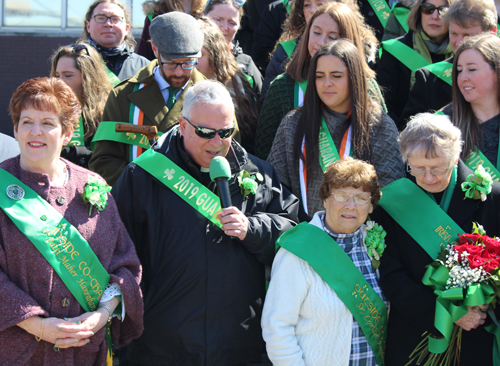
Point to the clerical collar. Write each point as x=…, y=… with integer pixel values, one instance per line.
x=204, y=170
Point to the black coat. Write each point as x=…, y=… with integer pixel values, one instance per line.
x=429, y=94
x=394, y=78
x=403, y=265
x=203, y=290
x=268, y=33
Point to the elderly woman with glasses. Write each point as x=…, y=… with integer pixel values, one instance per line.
x=411, y=211
x=310, y=316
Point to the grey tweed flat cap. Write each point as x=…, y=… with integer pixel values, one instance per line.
x=176, y=35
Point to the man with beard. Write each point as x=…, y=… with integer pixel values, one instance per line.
x=154, y=96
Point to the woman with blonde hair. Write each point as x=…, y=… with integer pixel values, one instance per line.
x=218, y=63
x=155, y=8
x=82, y=68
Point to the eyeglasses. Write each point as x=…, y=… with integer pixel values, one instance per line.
x=79, y=47
x=209, y=133
x=421, y=173
x=101, y=19
x=359, y=199
x=429, y=9
x=173, y=65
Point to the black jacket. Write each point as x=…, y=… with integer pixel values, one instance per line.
x=247, y=66
x=403, y=265
x=429, y=94
x=268, y=33
x=203, y=291
x=394, y=79
x=276, y=67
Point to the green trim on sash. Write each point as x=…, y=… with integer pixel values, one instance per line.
x=448, y=193
x=58, y=241
x=382, y=10
x=328, y=153
x=476, y=157
x=442, y=70
x=405, y=54
x=106, y=132
x=184, y=185
x=249, y=79
x=498, y=30
x=401, y=13
x=289, y=47
x=150, y=16
x=78, y=135
x=332, y=264
x=425, y=222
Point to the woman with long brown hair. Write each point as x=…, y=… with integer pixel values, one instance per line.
x=217, y=62
x=338, y=118
x=82, y=68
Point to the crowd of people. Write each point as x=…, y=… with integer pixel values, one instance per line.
x=213, y=198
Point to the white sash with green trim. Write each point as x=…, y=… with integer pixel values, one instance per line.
x=333, y=265
x=184, y=185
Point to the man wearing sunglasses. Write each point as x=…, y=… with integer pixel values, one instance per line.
x=203, y=277
x=154, y=96
x=465, y=18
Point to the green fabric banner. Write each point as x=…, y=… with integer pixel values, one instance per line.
x=184, y=185
x=78, y=135
x=401, y=13
x=476, y=157
x=382, y=10
x=426, y=222
x=289, y=47
x=58, y=241
x=106, y=132
x=333, y=265
x=286, y=4
x=328, y=153
x=442, y=70
x=405, y=54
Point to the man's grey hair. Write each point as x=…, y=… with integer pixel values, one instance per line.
x=434, y=134
x=208, y=92
x=468, y=13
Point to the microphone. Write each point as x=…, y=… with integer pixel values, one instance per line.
x=220, y=173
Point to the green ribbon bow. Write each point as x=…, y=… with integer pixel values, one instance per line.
x=478, y=182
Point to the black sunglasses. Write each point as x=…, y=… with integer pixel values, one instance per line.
x=79, y=47
x=209, y=133
x=429, y=9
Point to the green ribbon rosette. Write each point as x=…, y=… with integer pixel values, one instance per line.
x=478, y=184
x=451, y=304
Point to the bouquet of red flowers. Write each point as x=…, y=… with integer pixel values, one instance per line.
x=465, y=274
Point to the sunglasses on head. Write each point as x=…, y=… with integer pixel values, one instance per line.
x=209, y=133
x=79, y=47
x=429, y=9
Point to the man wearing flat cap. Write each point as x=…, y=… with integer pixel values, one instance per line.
x=154, y=96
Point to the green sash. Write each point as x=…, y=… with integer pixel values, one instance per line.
x=286, y=4
x=185, y=186
x=448, y=193
x=405, y=54
x=112, y=78
x=333, y=265
x=57, y=240
x=476, y=157
x=382, y=10
x=78, y=135
x=327, y=151
x=289, y=47
x=401, y=13
x=426, y=222
x=106, y=132
x=442, y=70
